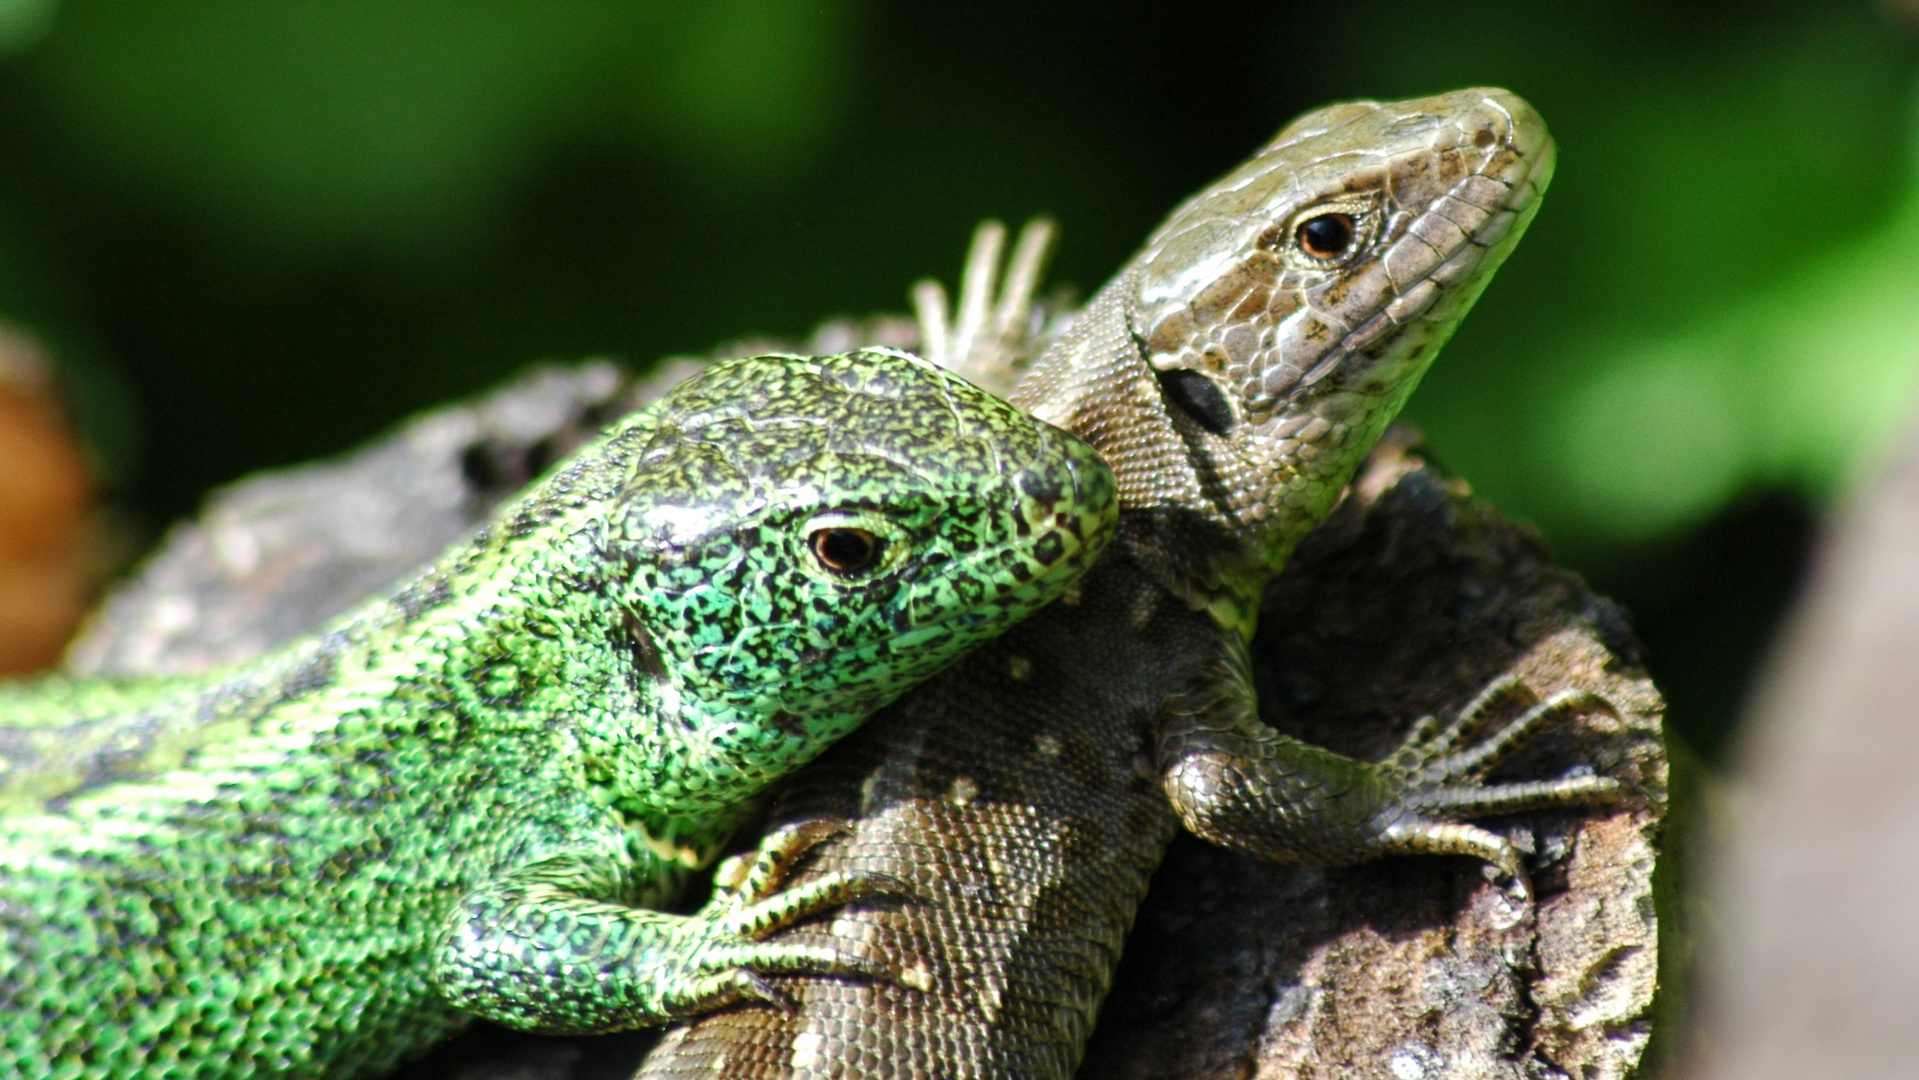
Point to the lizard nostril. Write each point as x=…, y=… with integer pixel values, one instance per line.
x=1484, y=138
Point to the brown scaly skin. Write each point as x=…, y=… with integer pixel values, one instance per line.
x=1233, y=375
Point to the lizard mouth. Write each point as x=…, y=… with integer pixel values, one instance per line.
x=1060, y=522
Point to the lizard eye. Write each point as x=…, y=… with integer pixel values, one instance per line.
x=845, y=551
x=850, y=545
x=1327, y=236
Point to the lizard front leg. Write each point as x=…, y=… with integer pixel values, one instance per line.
x=544, y=949
x=1237, y=782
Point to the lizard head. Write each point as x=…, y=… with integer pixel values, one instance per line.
x=1291, y=307
x=802, y=539
x=1286, y=312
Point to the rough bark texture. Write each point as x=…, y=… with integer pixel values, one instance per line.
x=278, y=554
x=1407, y=602
x=1413, y=598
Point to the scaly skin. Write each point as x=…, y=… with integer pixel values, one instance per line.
x=468, y=797
x=1277, y=370
x=1234, y=380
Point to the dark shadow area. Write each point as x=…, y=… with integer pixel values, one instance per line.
x=1707, y=603
x=485, y=1050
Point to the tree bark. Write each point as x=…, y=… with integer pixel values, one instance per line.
x=1408, y=601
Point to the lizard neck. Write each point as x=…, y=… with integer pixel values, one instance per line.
x=1184, y=516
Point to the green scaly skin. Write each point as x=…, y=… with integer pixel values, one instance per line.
x=469, y=797
x=1234, y=376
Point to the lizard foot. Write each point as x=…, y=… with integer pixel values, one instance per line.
x=737, y=946
x=1439, y=767
x=1241, y=784
x=546, y=949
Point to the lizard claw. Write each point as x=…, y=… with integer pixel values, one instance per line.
x=740, y=930
x=758, y=874
x=758, y=919
x=1439, y=767
x=1439, y=754
x=1238, y=783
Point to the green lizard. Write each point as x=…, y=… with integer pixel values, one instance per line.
x=1234, y=375
x=469, y=797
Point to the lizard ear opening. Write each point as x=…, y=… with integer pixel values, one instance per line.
x=1198, y=398
x=646, y=653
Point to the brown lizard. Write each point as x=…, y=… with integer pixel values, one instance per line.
x=1234, y=375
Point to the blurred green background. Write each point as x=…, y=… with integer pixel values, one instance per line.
x=257, y=231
